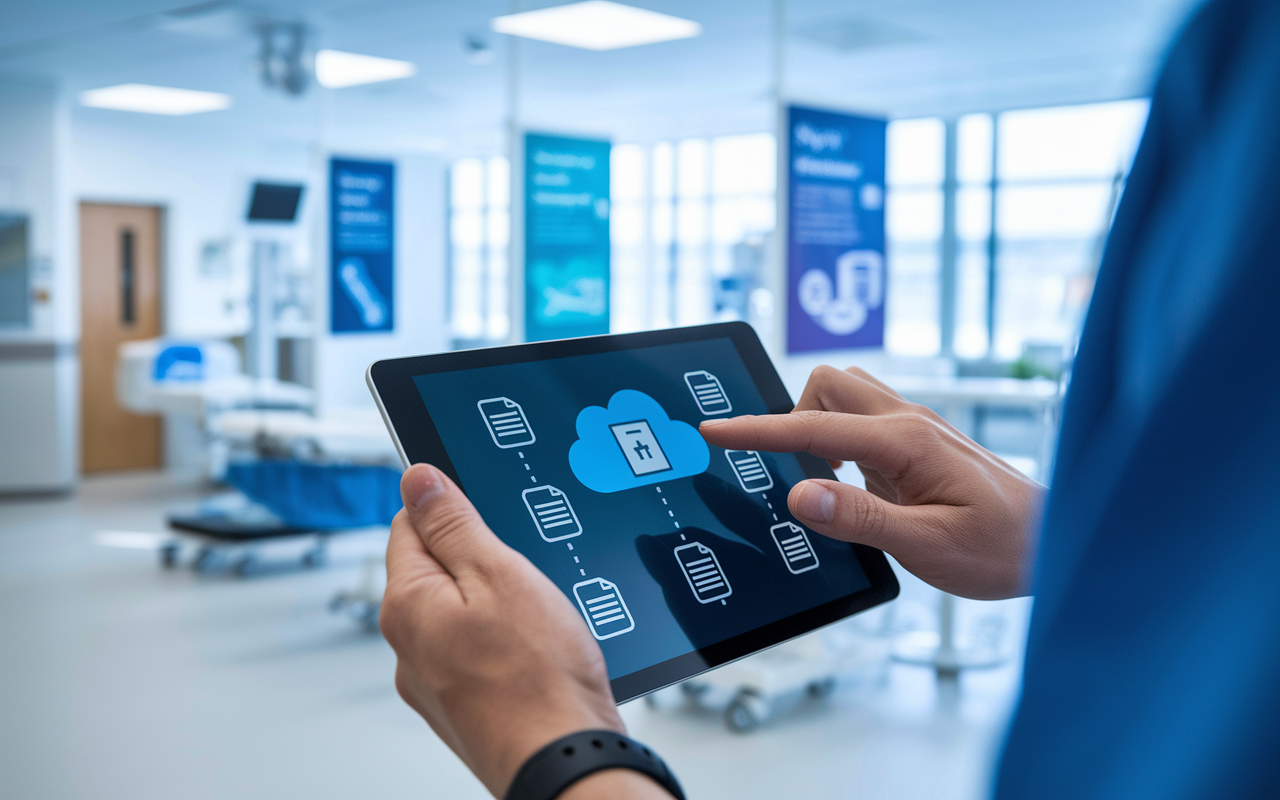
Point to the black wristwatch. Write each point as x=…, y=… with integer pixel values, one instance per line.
x=565, y=761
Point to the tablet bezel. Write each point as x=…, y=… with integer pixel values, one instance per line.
x=417, y=440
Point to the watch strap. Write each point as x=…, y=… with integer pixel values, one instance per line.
x=571, y=758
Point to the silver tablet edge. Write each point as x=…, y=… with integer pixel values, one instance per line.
x=377, y=399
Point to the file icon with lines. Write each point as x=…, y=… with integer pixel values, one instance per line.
x=750, y=469
x=605, y=611
x=552, y=513
x=702, y=569
x=793, y=542
x=708, y=393
x=506, y=422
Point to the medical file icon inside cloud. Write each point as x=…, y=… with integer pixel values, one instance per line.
x=599, y=461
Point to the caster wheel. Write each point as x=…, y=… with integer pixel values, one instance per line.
x=823, y=688
x=668, y=698
x=745, y=712
x=206, y=561
x=369, y=619
x=245, y=566
x=169, y=556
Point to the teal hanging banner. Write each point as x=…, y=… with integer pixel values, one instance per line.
x=566, y=237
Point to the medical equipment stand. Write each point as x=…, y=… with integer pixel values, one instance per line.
x=261, y=344
x=941, y=651
x=365, y=601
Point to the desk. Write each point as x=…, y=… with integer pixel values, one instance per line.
x=963, y=402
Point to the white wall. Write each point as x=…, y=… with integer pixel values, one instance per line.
x=200, y=171
x=39, y=370
x=32, y=145
x=54, y=155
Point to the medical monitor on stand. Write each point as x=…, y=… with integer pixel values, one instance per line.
x=274, y=202
x=271, y=206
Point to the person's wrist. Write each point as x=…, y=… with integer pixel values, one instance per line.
x=578, y=757
x=525, y=740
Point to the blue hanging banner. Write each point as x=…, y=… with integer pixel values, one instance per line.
x=566, y=237
x=835, y=230
x=361, y=245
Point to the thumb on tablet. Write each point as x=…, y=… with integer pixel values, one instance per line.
x=851, y=514
x=448, y=524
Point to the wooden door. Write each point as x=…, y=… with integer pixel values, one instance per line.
x=119, y=302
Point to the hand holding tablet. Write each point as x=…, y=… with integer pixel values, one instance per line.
x=584, y=455
x=520, y=663
x=518, y=669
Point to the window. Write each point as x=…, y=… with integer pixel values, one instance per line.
x=479, y=235
x=913, y=235
x=1058, y=174
x=629, y=231
x=973, y=233
x=689, y=226
x=691, y=223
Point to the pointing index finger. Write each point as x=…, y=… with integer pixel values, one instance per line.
x=874, y=441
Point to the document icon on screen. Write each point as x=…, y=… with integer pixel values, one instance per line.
x=506, y=421
x=708, y=393
x=793, y=542
x=750, y=469
x=552, y=513
x=702, y=570
x=605, y=610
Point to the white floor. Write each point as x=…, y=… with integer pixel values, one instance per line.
x=122, y=680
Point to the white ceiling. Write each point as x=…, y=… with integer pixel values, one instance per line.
x=900, y=58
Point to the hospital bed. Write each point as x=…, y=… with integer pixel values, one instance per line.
x=297, y=474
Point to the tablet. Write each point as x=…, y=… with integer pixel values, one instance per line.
x=584, y=455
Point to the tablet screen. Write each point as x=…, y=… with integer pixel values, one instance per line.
x=592, y=467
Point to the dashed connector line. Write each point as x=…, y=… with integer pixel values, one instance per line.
x=671, y=514
x=765, y=495
x=534, y=479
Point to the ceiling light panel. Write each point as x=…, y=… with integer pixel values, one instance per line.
x=597, y=25
x=336, y=69
x=147, y=99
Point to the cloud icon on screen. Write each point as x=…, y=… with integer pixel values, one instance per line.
x=634, y=443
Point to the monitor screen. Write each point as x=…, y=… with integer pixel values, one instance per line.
x=274, y=202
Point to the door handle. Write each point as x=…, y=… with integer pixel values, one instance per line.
x=128, y=278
